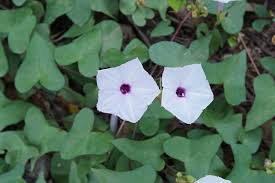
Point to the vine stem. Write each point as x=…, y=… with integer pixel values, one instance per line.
x=120, y=128
x=180, y=25
x=249, y=55
x=175, y=35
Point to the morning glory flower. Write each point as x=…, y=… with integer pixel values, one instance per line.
x=126, y=91
x=186, y=92
x=212, y=179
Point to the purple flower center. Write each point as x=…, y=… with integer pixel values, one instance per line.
x=125, y=88
x=181, y=92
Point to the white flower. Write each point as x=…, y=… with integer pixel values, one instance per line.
x=225, y=1
x=186, y=92
x=212, y=179
x=126, y=90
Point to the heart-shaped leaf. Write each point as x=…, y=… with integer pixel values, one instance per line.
x=231, y=73
x=145, y=174
x=162, y=29
x=268, y=63
x=40, y=133
x=56, y=8
x=111, y=35
x=147, y=152
x=242, y=172
x=233, y=21
x=3, y=61
x=18, y=149
x=80, y=141
x=39, y=66
x=135, y=49
x=109, y=7
x=196, y=154
x=127, y=7
x=178, y=55
x=80, y=12
x=84, y=50
x=263, y=107
x=252, y=139
x=12, y=113
x=18, y=24
x=15, y=175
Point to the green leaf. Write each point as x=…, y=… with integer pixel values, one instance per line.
x=80, y=141
x=83, y=50
x=272, y=150
x=109, y=7
x=217, y=167
x=146, y=152
x=76, y=30
x=263, y=108
x=40, y=133
x=60, y=169
x=73, y=176
x=160, y=5
x=127, y=7
x=157, y=110
x=18, y=2
x=56, y=8
x=18, y=150
x=135, y=49
x=241, y=171
x=162, y=29
x=72, y=96
x=233, y=22
x=149, y=124
x=111, y=34
x=261, y=10
x=139, y=17
x=37, y=9
x=12, y=113
x=3, y=61
x=145, y=174
x=15, y=175
x=268, y=63
x=178, y=55
x=80, y=12
x=228, y=127
x=39, y=66
x=176, y=5
x=19, y=36
x=259, y=25
x=231, y=73
x=196, y=154
x=91, y=94
x=252, y=139
x=19, y=25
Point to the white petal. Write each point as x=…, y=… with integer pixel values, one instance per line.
x=198, y=92
x=212, y=179
x=109, y=101
x=131, y=109
x=108, y=79
x=180, y=107
x=171, y=78
x=200, y=100
x=130, y=106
